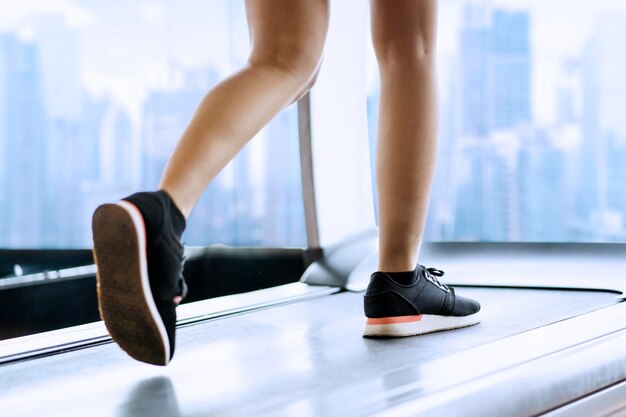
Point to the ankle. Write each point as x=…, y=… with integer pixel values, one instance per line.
x=405, y=277
x=396, y=265
x=399, y=258
x=179, y=220
x=178, y=200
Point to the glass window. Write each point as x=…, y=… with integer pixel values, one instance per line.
x=93, y=98
x=532, y=136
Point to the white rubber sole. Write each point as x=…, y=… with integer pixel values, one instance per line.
x=404, y=326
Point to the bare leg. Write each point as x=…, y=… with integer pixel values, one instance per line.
x=287, y=39
x=404, y=33
x=404, y=40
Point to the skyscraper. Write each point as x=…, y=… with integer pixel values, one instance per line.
x=475, y=47
x=115, y=147
x=495, y=70
x=494, y=75
x=58, y=56
x=509, y=70
x=284, y=211
x=604, y=130
x=22, y=137
x=542, y=192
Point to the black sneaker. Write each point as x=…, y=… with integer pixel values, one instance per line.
x=139, y=256
x=396, y=310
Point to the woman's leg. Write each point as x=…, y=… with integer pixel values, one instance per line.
x=287, y=38
x=404, y=34
x=137, y=240
x=402, y=298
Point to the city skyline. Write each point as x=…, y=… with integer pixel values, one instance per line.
x=93, y=150
x=518, y=168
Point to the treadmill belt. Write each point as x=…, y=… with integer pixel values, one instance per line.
x=283, y=360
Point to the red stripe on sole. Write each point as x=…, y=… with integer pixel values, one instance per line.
x=394, y=320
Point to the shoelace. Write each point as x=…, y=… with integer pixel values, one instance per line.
x=432, y=274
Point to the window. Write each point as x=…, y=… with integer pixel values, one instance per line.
x=93, y=98
x=94, y=95
x=532, y=122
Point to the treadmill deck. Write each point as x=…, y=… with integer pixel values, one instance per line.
x=305, y=358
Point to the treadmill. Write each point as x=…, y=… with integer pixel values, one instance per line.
x=297, y=348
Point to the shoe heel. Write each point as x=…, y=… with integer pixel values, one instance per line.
x=124, y=297
x=395, y=326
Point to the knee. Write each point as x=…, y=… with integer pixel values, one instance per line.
x=403, y=39
x=308, y=86
x=404, y=32
x=293, y=59
x=414, y=48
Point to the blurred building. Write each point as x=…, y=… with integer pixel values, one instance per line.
x=494, y=73
x=22, y=143
x=602, y=205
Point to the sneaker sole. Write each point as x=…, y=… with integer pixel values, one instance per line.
x=404, y=326
x=124, y=297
